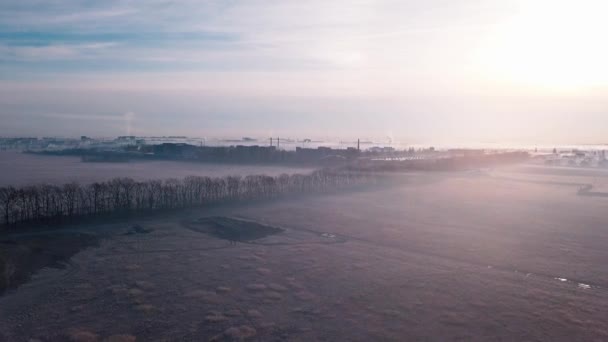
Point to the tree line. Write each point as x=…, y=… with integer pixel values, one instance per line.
x=467, y=161
x=47, y=202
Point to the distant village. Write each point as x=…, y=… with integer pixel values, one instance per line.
x=575, y=158
x=245, y=150
x=274, y=151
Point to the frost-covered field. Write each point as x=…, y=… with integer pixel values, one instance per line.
x=497, y=255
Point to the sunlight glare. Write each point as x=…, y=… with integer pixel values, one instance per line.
x=553, y=44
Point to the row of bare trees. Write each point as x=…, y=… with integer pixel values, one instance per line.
x=42, y=203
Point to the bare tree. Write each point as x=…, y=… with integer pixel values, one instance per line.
x=48, y=202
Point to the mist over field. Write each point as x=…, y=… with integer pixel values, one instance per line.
x=320, y=170
x=25, y=169
x=508, y=253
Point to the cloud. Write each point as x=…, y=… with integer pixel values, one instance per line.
x=31, y=17
x=87, y=117
x=53, y=51
x=90, y=15
x=261, y=64
x=235, y=35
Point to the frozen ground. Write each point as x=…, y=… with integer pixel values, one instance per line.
x=496, y=255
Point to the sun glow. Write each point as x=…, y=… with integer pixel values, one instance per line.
x=554, y=44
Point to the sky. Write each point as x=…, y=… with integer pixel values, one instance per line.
x=436, y=71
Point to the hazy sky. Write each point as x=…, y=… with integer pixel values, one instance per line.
x=530, y=71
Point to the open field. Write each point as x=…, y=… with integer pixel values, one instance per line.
x=505, y=254
x=26, y=169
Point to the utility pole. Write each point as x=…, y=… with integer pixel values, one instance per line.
x=270, y=141
x=278, y=142
x=358, y=147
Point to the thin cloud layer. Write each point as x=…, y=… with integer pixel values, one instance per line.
x=214, y=61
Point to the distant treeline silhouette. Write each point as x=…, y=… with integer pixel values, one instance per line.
x=452, y=163
x=51, y=203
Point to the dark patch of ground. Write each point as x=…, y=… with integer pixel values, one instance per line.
x=20, y=257
x=232, y=229
x=137, y=229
